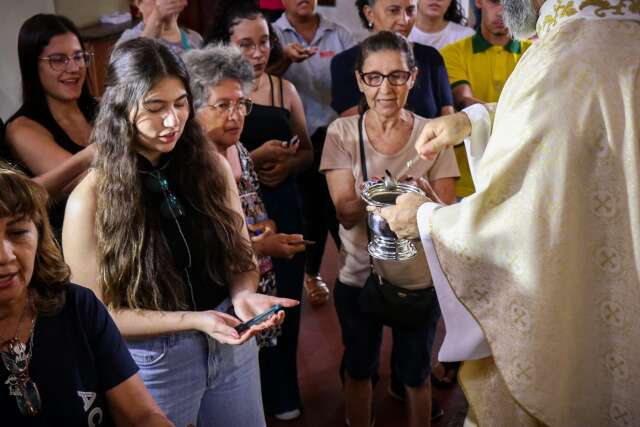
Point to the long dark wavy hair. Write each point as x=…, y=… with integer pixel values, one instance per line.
x=454, y=13
x=22, y=197
x=135, y=265
x=227, y=14
x=34, y=36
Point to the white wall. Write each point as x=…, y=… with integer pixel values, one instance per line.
x=88, y=12
x=345, y=13
x=13, y=17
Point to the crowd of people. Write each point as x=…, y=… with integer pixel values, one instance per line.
x=144, y=232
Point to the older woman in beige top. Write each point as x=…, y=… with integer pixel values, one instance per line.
x=386, y=73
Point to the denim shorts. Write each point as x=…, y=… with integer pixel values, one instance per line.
x=362, y=338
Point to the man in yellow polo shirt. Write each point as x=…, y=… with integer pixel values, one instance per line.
x=478, y=67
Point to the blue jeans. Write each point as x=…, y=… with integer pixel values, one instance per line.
x=197, y=380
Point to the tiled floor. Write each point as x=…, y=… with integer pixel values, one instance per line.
x=319, y=358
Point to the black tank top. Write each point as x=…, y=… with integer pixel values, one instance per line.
x=40, y=114
x=175, y=221
x=268, y=122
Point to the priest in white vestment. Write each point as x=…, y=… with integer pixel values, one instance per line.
x=544, y=259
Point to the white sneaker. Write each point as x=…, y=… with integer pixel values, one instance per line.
x=288, y=415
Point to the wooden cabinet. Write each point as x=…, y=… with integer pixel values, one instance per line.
x=100, y=39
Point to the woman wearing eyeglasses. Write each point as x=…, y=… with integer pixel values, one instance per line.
x=62, y=359
x=278, y=156
x=156, y=231
x=49, y=135
x=431, y=95
x=385, y=73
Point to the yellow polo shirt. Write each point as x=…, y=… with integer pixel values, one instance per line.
x=484, y=67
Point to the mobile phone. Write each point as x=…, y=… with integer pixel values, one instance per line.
x=258, y=319
x=289, y=143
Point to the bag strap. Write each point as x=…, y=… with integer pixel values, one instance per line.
x=363, y=160
x=365, y=178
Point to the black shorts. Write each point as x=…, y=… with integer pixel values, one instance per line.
x=362, y=338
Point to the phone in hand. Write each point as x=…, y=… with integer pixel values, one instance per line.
x=292, y=141
x=262, y=317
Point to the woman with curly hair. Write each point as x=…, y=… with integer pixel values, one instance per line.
x=156, y=231
x=63, y=360
x=439, y=23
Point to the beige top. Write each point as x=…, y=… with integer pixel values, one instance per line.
x=341, y=151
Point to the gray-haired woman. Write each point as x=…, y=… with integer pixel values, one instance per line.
x=220, y=78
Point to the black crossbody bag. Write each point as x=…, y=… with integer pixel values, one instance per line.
x=392, y=305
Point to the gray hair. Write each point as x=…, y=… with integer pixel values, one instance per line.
x=212, y=64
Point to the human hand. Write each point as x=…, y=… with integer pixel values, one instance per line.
x=274, y=174
x=166, y=9
x=260, y=227
x=295, y=52
x=442, y=132
x=272, y=151
x=248, y=304
x=401, y=217
x=280, y=245
x=219, y=326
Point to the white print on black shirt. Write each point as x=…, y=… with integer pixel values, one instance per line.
x=95, y=416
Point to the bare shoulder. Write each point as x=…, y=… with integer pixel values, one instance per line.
x=23, y=129
x=82, y=200
x=290, y=93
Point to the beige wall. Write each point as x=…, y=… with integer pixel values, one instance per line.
x=87, y=12
x=12, y=19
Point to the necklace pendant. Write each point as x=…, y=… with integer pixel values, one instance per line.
x=17, y=348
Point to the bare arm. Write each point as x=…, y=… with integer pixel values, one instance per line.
x=350, y=208
x=131, y=405
x=54, y=168
x=463, y=96
x=79, y=243
x=304, y=157
x=445, y=188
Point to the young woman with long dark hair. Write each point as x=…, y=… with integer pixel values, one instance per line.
x=48, y=137
x=157, y=231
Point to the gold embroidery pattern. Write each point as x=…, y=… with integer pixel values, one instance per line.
x=592, y=8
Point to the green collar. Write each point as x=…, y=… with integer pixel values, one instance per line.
x=480, y=44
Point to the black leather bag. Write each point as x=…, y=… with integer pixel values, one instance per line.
x=392, y=305
x=395, y=306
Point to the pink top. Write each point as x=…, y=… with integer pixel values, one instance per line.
x=271, y=4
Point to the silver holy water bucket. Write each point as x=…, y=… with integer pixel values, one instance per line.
x=385, y=245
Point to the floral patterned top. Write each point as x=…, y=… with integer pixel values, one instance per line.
x=255, y=211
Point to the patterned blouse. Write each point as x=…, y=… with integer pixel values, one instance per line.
x=254, y=211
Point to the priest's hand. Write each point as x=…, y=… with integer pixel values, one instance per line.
x=401, y=217
x=442, y=132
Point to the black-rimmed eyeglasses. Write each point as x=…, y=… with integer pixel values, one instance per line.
x=395, y=78
x=59, y=61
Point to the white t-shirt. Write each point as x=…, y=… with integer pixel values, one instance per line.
x=451, y=33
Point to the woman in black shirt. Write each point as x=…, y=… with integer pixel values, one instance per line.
x=49, y=135
x=63, y=360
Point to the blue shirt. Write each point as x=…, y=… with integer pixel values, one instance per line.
x=430, y=93
x=312, y=77
x=78, y=355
